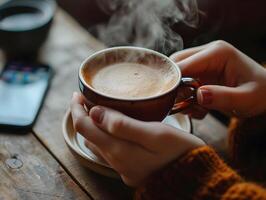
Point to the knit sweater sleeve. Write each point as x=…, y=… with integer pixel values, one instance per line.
x=200, y=174
x=247, y=147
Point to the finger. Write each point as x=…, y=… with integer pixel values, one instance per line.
x=112, y=149
x=126, y=128
x=87, y=128
x=77, y=107
x=84, y=125
x=208, y=63
x=181, y=55
x=225, y=99
x=117, y=152
x=94, y=149
x=118, y=155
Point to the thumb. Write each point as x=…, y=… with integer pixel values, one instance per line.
x=225, y=99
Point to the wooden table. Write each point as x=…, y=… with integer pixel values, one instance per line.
x=38, y=165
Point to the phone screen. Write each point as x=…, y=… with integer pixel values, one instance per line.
x=22, y=89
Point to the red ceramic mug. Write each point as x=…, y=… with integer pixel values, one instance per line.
x=154, y=108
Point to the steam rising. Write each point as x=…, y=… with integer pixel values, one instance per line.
x=146, y=23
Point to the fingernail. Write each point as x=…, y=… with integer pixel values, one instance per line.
x=97, y=114
x=204, y=96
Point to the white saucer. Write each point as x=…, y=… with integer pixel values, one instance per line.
x=75, y=142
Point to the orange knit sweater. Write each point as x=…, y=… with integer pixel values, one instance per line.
x=201, y=173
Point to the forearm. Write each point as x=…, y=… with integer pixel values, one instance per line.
x=200, y=174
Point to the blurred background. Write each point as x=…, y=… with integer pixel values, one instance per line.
x=187, y=23
x=240, y=22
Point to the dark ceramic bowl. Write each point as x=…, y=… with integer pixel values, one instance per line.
x=24, y=26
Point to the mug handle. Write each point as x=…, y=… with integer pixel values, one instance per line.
x=193, y=85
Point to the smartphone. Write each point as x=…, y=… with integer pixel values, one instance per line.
x=23, y=87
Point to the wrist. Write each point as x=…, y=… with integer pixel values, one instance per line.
x=186, y=142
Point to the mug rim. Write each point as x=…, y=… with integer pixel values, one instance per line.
x=92, y=56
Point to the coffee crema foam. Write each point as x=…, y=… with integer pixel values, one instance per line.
x=131, y=80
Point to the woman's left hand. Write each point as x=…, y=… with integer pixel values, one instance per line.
x=133, y=148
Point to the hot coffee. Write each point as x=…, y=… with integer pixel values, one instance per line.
x=138, y=82
x=131, y=80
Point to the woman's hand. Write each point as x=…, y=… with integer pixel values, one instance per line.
x=133, y=148
x=232, y=82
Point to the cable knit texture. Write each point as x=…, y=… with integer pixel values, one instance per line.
x=201, y=174
x=245, y=191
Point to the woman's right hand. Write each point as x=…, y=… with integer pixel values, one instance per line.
x=232, y=82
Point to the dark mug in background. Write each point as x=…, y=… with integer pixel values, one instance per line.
x=24, y=26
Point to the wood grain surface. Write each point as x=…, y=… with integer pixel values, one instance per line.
x=29, y=172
